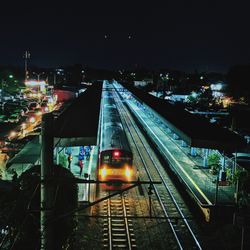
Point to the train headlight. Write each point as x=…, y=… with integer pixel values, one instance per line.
x=103, y=172
x=128, y=172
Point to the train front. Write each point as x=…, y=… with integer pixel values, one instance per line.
x=116, y=167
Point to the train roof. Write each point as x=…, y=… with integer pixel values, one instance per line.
x=113, y=134
x=196, y=131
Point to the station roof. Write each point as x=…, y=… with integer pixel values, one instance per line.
x=194, y=130
x=78, y=124
x=28, y=155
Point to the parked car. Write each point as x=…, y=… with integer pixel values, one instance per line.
x=44, y=107
x=3, y=118
x=14, y=118
x=33, y=105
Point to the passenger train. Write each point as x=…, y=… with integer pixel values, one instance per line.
x=115, y=156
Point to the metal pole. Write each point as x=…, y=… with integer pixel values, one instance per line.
x=242, y=238
x=216, y=190
x=47, y=190
x=25, y=65
x=89, y=191
x=54, y=79
x=26, y=57
x=235, y=162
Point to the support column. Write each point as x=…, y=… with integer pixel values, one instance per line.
x=223, y=176
x=205, y=160
x=57, y=155
x=193, y=151
x=175, y=136
x=47, y=190
x=183, y=143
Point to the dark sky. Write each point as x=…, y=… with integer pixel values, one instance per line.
x=186, y=35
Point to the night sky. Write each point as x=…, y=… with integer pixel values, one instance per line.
x=185, y=35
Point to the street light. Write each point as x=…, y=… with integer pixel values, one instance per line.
x=38, y=75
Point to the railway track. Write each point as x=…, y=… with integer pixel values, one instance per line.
x=166, y=197
x=118, y=232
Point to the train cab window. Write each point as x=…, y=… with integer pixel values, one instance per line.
x=106, y=159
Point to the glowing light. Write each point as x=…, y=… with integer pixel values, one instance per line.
x=103, y=172
x=128, y=173
x=216, y=87
x=32, y=119
x=116, y=153
x=194, y=94
x=34, y=83
x=13, y=134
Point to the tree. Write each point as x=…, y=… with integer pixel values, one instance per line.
x=239, y=81
x=214, y=163
x=24, y=220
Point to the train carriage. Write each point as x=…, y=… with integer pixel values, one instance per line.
x=115, y=156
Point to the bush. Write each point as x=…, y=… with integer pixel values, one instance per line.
x=25, y=219
x=213, y=159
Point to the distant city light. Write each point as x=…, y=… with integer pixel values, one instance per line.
x=216, y=87
x=32, y=119
x=194, y=94
x=34, y=84
x=13, y=134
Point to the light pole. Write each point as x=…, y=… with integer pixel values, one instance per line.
x=38, y=79
x=26, y=57
x=2, y=85
x=38, y=75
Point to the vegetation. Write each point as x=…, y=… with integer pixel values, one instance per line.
x=238, y=78
x=63, y=160
x=214, y=163
x=23, y=221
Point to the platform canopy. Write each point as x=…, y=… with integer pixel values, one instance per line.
x=78, y=124
x=30, y=154
x=196, y=131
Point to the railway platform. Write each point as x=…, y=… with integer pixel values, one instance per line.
x=89, y=166
x=203, y=186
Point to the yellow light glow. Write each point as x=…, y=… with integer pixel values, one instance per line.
x=128, y=172
x=32, y=119
x=103, y=172
x=13, y=134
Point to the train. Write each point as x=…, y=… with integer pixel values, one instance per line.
x=115, y=156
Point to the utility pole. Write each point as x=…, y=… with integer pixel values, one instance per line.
x=47, y=187
x=54, y=79
x=26, y=57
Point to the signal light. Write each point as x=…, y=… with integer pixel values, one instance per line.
x=116, y=153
